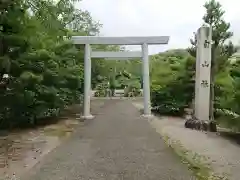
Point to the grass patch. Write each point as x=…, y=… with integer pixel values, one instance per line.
x=195, y=162
x=58, y=132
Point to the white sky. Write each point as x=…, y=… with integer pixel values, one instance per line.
x=178, y=19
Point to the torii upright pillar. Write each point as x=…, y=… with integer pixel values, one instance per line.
x=87, y=83
x=146, y=81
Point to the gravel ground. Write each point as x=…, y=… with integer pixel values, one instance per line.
x=222, y=154
x=117, y=145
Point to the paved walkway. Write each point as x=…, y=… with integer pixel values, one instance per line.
x=117, y=145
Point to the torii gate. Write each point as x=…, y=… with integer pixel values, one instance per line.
x=88, y=54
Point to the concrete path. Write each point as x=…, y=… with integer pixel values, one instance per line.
x=117, y=145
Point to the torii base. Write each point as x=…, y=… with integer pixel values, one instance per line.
x=148, y=116
x=88, y=117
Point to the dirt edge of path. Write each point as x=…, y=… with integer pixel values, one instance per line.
x=51, y=136
x=194, y=161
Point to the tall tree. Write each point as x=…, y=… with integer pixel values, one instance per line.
x=220, y=33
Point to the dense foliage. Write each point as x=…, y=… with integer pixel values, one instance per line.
x=45, y=70
x=172, y=81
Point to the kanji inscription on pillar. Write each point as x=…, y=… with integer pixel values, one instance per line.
x=205, y=64
x=206, y=44
x=204, y=83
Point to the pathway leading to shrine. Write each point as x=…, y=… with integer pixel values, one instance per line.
x=118, y=144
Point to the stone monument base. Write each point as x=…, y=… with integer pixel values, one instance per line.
x=201, y=125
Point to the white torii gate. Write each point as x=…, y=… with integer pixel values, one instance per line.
x=88, y=54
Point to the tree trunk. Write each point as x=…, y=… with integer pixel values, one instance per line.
x=212, y=124
x=212, y=77
x=212, y=80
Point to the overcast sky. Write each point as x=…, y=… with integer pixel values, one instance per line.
x=177, y=19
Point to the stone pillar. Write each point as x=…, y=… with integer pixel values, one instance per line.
x=203, y=73
x=146, y=83
x=87, y=83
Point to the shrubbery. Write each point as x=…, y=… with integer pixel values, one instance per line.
x=172, y=85
x=45, y=70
